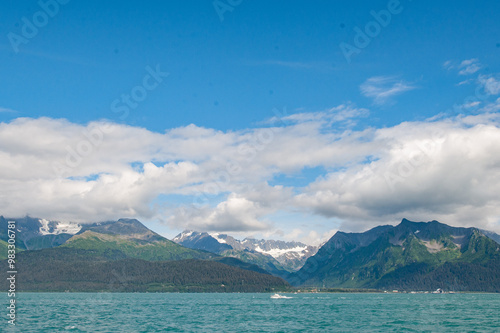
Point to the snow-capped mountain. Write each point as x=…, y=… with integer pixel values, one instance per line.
x=290, y=255
x=201, y=241
x=32, y=230
x=39, y=233
x=35, y=233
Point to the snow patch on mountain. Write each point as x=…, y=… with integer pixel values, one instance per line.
x=277, y=252
x=216, y=236
x=44, y=228
x=183, y=235
x=55, y=228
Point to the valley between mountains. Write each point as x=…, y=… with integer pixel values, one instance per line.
x=125, y=255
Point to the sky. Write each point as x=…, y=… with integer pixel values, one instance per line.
x=283, y=120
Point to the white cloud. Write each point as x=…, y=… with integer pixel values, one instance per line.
x=469, y=66
x=343, y=115
x=471, y=105
x=492, y=107
x=243, y=210
x=448, y=64
x=445, y=169
x=461, y=83
x=7, y=110
x=309, y=237
x=383, y=88
x=490, y=84
x=234, y=214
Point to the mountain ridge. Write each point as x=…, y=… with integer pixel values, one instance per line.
x=373, y=259
x=91, y=258
x=286, y=256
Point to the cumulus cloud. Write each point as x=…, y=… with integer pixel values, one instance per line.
x=243, y=210
x=382, y=88
x=56, y=169
x=449, y=170
x=446, y=169
x=234, y=214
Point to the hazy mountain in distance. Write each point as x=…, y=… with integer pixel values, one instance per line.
x=291, y=255
x=269, y=254
x=201, y=241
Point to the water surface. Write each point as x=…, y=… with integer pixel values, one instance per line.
x=340, y=312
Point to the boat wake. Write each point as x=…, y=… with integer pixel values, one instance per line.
x=280, y=296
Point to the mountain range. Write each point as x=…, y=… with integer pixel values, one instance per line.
x=122, y=255
x=272, y=255
x=56, y=256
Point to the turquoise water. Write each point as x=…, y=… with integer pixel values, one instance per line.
x=104, y=312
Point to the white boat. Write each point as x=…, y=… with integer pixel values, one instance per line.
x=279, y=296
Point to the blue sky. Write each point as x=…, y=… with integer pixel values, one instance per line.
x=228, y=72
